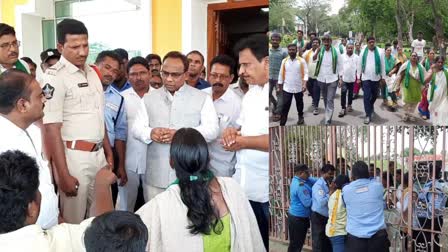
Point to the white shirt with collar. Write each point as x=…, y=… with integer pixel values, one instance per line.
x=350, y=67
x=252, y=166
x=135, y=150
x=2, y=68
x=292, y=83
x=208, y=126
x=369, y=73
x=326, y=74
x=64, y=237
x=228, y=108
x=30, y=142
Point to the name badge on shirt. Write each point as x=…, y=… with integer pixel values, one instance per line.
x=84, y=84
x=362, y=189
x=321, y=192
x=112, y=106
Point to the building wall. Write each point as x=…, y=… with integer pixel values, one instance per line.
x=166, y=26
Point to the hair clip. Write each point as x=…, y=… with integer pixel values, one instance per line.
x=193, y=178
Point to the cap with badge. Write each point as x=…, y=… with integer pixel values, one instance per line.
x=49, y=54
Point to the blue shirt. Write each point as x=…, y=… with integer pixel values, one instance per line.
x=300, y=196
x=116, y=127
x=125, y=86
x=425, y=200
x=320, y=197
x=363, y=200
x=202, y=84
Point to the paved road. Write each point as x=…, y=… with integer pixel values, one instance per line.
x=382, y=115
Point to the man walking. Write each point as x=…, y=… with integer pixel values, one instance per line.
x=276, y=55
x=347, y=79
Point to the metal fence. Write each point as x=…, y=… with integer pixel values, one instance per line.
x=393, y=151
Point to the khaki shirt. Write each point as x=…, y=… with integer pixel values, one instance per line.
x=75, y=99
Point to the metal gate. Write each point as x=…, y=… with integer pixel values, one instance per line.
x=416, y=150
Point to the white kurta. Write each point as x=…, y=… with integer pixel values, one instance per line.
x=438, y=107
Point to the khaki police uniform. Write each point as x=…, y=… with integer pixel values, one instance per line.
x=75, y=99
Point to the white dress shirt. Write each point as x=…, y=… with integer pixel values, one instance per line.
x=326, y=74
x=135, y=149
x=350, y=67
x=228, y=108
x=293, y=75
x=30, y=142
x=252, y=166
x=208, y=127
x=64, y=237
x=311, y=64
x=369, y=73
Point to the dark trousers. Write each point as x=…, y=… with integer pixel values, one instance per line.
x=114, y=186
x=261, y=211
x=370, y=89
x=276, y=102
x=297, y=229
x=347, y=87
x=377, y=243
x=383, y=89
x=316, y=92
x=423, y=239
x=287, y=100
x=321, y=243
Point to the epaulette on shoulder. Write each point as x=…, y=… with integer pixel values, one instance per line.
x=54, y=69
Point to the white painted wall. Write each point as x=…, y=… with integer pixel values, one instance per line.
x=32, y=37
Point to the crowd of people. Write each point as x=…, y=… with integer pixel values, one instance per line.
x=80, y=140
x=321, y=68
x=350, y=211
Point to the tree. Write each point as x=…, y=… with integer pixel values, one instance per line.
x=438, y=25
x=281, y=16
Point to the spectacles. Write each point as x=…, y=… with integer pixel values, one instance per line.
x=155, y=83
x=7, y=46
x=174, y=75
x=218, y=76
x=139, y=74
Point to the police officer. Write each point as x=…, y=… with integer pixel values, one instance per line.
x=74, y=122
x=299, y=207
x=426, y=210
x=108, y=64
x=366, y=229
x=319, y=209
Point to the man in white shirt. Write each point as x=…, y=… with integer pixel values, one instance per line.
x=9, y=50
x=228, y=105
x=135, y=161
x=418, y=46
x=347, y=79
x=251, y=141
x=312, y=85
x=20, y=207
x=21, y=104
x=329, y=65
x=292, y=76
x=163, y=111
x=371, y=72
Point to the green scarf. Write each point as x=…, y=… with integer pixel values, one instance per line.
x=408, y=76
x=19, y=66
x=433, y=84
x=302, y=43
x=390, y=63
x=341, y=48
x=427, y=64
x=334, y=58
x=377, y=61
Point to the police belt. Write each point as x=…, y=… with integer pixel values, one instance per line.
x=82, y=145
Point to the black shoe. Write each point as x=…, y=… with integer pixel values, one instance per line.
x=367, y=120
x=342, y=113
x=300, y=121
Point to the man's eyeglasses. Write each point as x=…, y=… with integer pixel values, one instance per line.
x=174, y=75
x=7, y=46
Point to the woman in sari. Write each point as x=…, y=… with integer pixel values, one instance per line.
x=423, y=110
x=411, y=76
x=438, y=92
x=198, y=211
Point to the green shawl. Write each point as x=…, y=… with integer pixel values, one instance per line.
x=334, y=57
x=427, y=64
x=19, y=66
x=302, y=43
x=408, y=76
x=390, y=63
x=433, y=83
x=341, y=48
x=377, y=61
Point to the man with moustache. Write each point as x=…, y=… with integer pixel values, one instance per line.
x=228, y=105
x=293, y=77
x=74, y=121
x=276, y=55
x=108, y=63
x=156, y=79
x=195, y=67
x=121, y=82
x=329, y=65
x=139, y=78
x=21, y=104
x=9, y=50
x=347, y=79
x=165, y=110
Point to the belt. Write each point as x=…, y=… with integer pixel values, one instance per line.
x=82, y=145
